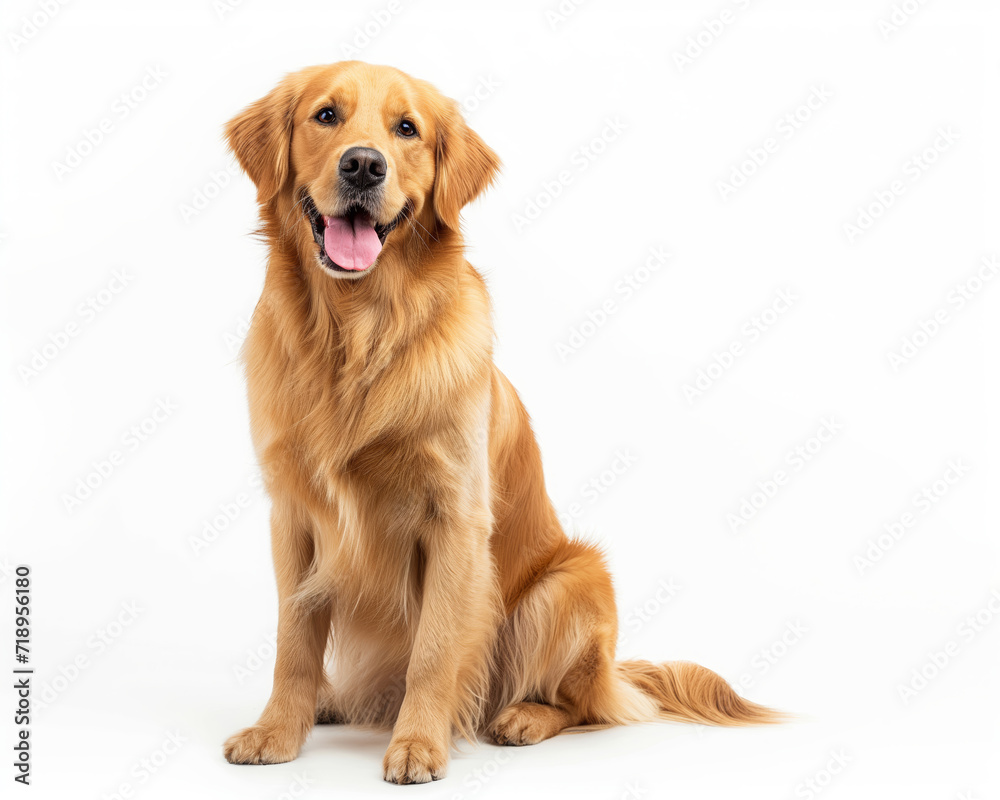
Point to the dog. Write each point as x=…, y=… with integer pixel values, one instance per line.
x=425, y=583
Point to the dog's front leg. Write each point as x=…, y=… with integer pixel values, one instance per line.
x=302, y=635
x=450, y=650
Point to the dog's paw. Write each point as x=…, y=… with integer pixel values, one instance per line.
x=261, y=745
x=410, y=761
x=524, y=723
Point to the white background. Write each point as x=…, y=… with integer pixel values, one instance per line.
x=779, y=602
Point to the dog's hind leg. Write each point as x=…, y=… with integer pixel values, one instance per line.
x=559, y=671
x=529, y=723
x=557, y=652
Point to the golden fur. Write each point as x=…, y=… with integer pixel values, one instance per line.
x=425, y=582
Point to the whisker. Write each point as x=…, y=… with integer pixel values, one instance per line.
x=409, y=217
x=417, y=234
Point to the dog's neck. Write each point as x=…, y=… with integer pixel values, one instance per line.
x=362, y=323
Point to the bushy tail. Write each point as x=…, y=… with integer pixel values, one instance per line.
x=688, y=692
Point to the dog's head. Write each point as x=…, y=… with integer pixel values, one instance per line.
x=350, y=158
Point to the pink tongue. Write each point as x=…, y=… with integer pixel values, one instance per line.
x=351, y=246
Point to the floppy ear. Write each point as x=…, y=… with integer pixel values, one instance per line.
x=465, y=168
x=260, y=137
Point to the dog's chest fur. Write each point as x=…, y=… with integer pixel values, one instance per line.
x=386, y=439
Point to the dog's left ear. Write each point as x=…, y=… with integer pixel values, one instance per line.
x=465, y=165
x=260, y=137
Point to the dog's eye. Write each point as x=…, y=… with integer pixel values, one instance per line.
x=326, y=116
x=407, y=129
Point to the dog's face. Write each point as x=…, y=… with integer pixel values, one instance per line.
x=351, y=158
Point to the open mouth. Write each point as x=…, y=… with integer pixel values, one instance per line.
x=350, y=242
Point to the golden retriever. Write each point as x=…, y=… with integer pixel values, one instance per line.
x=424, y=580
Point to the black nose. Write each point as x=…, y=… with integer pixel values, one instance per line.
x=362, y=167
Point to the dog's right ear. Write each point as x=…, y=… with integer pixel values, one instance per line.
x=260, y=137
